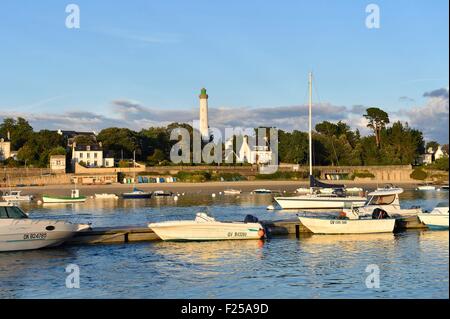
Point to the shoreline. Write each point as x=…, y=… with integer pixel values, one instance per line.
x=205, y=187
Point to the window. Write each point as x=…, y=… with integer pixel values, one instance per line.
x=12, y=212
x=95, y=163
x=88, y=155
x=3, y=214
x=81, y=155
x=382, y=200
x=95, y=155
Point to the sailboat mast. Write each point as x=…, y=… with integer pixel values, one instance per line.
x=310, y=125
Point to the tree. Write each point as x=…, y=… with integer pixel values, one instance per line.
x=18, y=129
x=377, y=120
x=433, y=145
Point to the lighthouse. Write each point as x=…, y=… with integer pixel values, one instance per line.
x=204, y=128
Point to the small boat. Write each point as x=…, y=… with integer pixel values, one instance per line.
x=205, y=228
x=16, y=196
x=262, y=191
x=19, y=232
x=232, y=192
x=386, y=199
x=106, y=196
x=162, y=194
x=137, y=194
x=426, y=187
x=303, y=190
x=437, y=219
x=444, y=187
x=353, y=225
x=75, y=197
x=354, y=190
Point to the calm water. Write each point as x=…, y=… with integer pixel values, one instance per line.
x=413, y=264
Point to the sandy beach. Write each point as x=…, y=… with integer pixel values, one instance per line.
x=207, y=187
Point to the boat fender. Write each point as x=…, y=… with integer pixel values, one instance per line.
x=261, y=233
x=342, y=215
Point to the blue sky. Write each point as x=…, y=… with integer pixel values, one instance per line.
x=156, y=55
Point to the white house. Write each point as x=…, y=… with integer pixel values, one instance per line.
x=5, y=149
x=430, y=156
x=58, y=163
x=254, y=154
x=90, y=155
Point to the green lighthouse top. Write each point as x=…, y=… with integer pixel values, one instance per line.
x=203, y=94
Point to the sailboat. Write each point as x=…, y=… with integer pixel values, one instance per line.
x=314, y=200
x=136, y=193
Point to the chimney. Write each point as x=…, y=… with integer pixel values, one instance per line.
x=8, y=135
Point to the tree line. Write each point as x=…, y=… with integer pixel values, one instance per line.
x=333, y=143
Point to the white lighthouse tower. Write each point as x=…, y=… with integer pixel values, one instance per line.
x=204, y=128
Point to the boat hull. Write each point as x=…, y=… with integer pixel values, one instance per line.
x=348, y=226
x=310, y=202
x=136, y=196
x=26, y=234
x=193, y=231
x=55, y=199
x=434, y=222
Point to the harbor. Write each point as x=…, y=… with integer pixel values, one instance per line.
x=121, y=250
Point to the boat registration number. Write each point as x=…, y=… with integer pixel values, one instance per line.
x=33, y=236
x=237, y=234
x=337, y=222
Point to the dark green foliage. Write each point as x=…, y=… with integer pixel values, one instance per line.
x=419, y=174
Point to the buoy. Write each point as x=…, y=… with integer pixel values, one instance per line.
x=182, y=194
x=220, y=193
x=175, y=198
x=213, y=195
x=270, y=207
x=39, y=202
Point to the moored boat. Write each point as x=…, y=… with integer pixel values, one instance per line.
x=205, y=228
x=426, y=187
x=19, y=232
x=75, y=197
x=388, y=200
x=232, y=192
x=162, y=194
x=106, y=196
x=16, y=196
x=262, y=191
x=437, y=219
x=137, y=194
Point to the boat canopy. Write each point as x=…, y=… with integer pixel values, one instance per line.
x=386, y=192
x=313, y=182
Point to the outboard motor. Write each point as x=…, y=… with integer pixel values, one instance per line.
x=379, y=213
x=250, y=219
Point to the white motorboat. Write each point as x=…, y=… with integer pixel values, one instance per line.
x=19, y=232
x=348, y=226
x=426, y=187
x=437, y=219
x=16, y=196
x=232, y=192
x=320, y=195
x=106, y=196
x=205, y=228
x=354, y=190
x=386, y=199
x=349, y=223
x=162, y=194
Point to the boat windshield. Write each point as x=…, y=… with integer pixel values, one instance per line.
x=382, y=200
x=12, y=212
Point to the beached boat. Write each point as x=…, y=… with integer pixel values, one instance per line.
x=320, y=195
x=137, y=194
x=347, y=226
x=437, y=219
x=388, y=200
x=162, y=194
x=16, y=196
x=262, y=191
x=426, y=187
x=232, y=192
x=19, y=232
x=75, y=197
x=106, y=196
x=205, y=228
